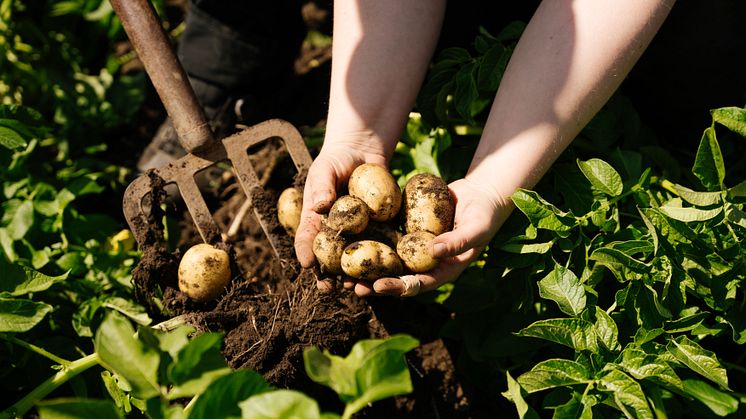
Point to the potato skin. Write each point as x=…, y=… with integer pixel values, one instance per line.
x=348, y=215
x=378, y=189
x=288, y=209
x=204, y=272
x=328, y=247
x=428, y=205
x=369, y=260
x=382, y=232
x=414, y=251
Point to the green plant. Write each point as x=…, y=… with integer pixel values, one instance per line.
x=169, y=375
x=625, y=298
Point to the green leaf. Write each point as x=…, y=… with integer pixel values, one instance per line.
x=738, y=190
x=523, y=248
x=686, y=323
x=709, y=167
x=732, y=118
x=554, y=373
x=576, y=333
x=541, y=213
x=702, y=199
x=20, y=280
x=286, y=404
x=465, y=93
x=564, y=288
x=492, y=68
x=78, y=408
x=690, y=214
x=628, y=394
x=579, y=407
x=602, y=176
x=514, y=394
x=22, y=220
x=221, y=398
x=197, y=365
x=617, y=261
x=129, y=308
x=721, y=403
x=127, y=356
x=19, y=315
x=643, y=366
x=606, y=330
x=698, y=359
x=374, y=369
x=11, y=139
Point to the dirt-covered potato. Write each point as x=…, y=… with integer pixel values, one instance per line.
x=288, y=209
x=382, y=232
x=428, y=205
x=369, y=260
x=204, y=271
x=378, y=189
x=328, y=247
x=348, y=215
x=414, y=251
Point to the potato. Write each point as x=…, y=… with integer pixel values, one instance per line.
x=382, y=232
x=428, y=205
x=378, y=189
x=348, y=215
x=369, y=260
x=288, y=209
x=414, y=251
x=204, y=272
x=328, y=247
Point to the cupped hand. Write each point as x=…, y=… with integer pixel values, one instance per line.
x=479, y=214
x=330, y=170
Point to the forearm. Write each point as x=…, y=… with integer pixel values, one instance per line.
x=571, y=58
x=380, y=54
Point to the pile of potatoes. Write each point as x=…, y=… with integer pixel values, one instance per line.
x=362, y=229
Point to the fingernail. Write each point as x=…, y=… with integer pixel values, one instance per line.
x=439, y=249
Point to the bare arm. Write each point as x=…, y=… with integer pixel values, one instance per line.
x=380, y=51
x=571, y=58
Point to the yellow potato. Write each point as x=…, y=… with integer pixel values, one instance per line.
x=288, y=209
x=414, y=251
x=369, y=260
x=382, y=232
x=348, y=215
x=204, y=272
x=378, y=189
x=328, y=247
x=428, y=205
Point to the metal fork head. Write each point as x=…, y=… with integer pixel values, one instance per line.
x=234, y=149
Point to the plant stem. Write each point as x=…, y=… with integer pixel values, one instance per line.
x=33, y=348
x=68, y=372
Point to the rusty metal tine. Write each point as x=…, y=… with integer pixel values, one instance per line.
x=197, y=207
x=132, y=205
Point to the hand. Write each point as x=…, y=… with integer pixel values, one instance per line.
x=329, y=171
x=479, y=214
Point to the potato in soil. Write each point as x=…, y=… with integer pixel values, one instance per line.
x=204, y=272
x=328, y=247
x=378, y=189
x=414, y=251
x=288, y=209
x=369, y=260
x=428, y=205
x=348, y=215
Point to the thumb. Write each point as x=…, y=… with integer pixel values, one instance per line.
x=462, y=238
x=321, y=183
